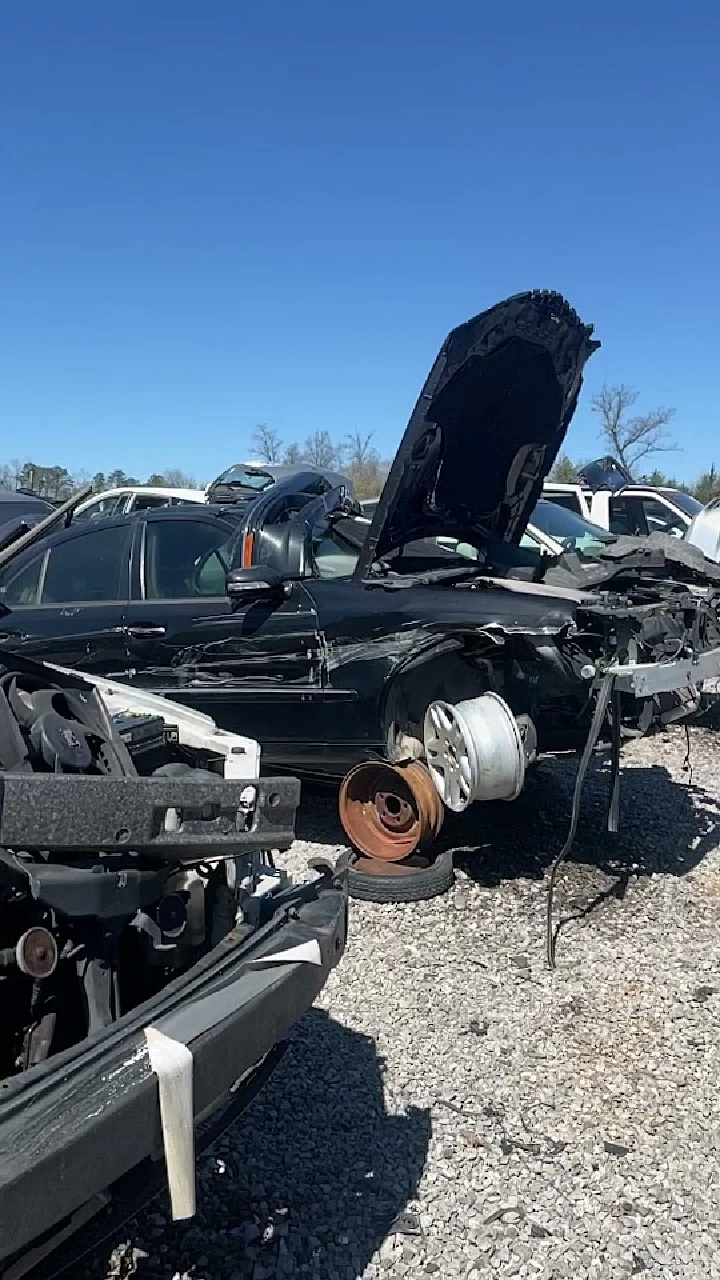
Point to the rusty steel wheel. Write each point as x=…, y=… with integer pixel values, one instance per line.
x=389, y=811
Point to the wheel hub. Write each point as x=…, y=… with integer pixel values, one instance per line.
x=388, y=812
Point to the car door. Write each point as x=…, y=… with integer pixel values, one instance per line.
x=67, y=596
x=627, y=517
x=250, y=668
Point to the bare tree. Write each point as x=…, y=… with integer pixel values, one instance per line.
x=358, y=449
x=177, y=479
x=631, y=439
x=293, y=454
x=267, y=443
x=362, y=464
x=321, y=451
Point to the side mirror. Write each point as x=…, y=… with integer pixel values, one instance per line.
x=258, y=582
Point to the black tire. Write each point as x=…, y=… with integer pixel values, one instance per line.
x=417, y=886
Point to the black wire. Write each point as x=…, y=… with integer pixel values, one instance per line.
x=593, y=734
x=687, y=762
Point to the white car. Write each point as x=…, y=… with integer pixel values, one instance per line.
x=552, y=529
x=606, y=495
x=704, y=531
x=116, y=502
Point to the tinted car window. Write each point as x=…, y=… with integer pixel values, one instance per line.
x=86, y=569
x=186, y=558
x=143, y=501
x=109, y=506
x=626, y=517
x=569, y=529
x=20, y=583
x=684, y=501
x=662, y=519
x=570, y=501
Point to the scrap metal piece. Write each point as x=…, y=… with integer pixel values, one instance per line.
x=389, y=811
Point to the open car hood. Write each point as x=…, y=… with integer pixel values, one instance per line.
x=605, y=473
x=487, y=427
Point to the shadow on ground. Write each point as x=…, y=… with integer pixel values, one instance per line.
x=314, y=1175
x=665, y=826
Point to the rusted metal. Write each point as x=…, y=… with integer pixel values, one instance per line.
x=389, y=811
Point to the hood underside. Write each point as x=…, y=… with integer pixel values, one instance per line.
x=487, y=427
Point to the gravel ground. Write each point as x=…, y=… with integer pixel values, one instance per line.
x=450, y=1108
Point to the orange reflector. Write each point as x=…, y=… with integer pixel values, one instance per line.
x=247, y=551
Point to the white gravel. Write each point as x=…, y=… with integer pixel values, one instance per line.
x=451, y=1108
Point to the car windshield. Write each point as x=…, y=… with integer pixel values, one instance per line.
x=569, y=529
x=684, y=501
x=242, y=478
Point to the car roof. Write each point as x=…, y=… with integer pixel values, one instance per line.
x=193, y=510
x=190, y=495
x=12, y=497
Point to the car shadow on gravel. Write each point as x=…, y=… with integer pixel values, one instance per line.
x=665, y=826
x=310, y=1180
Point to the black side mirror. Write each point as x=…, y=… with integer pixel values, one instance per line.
x=258, y=582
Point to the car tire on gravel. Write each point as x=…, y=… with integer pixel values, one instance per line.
x=418, y=885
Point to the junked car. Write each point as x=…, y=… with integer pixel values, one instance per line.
x=152, y=957
x=245, y=481
x=422, y=680
x=607, y=494
x=134, y=497
x=550, y=531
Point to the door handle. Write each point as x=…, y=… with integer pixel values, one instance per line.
x=145, y=633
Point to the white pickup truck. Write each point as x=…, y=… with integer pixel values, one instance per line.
x=634, y=509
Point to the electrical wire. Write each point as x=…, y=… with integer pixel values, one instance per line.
x=596, y=724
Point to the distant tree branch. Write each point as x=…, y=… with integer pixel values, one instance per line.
x=631, y=439
x=267, y=443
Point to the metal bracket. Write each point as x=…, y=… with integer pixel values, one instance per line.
x=643, y=679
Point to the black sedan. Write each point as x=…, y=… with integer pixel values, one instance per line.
x=373, y=651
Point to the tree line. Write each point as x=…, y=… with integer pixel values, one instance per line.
x=59, y=483
x=630, y=437
x=354, y=456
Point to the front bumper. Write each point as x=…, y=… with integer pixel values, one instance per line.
x=644, y=679
x=77, y=1124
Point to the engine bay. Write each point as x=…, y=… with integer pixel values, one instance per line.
x=117, y=871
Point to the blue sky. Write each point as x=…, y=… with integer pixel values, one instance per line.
x=213, y=215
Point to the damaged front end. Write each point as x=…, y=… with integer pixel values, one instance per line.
x=137, y=884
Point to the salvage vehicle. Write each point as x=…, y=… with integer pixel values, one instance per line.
x=551, y=530
x=704, y=531
x=152, y=957
x=244, y=481
x=607, y=495
x=421, y=679
x=134, y=497
x=16, y=506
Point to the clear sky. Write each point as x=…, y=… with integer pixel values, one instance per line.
x=214, y=214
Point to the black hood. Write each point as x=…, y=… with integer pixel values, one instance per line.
x=605, y=473
x=487, y=427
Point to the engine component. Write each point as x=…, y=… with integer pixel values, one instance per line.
x=37, y=953
x=477, y=750
x=171, y=915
